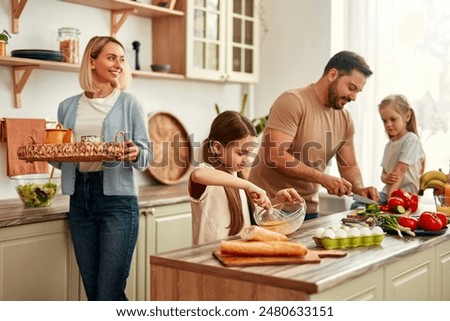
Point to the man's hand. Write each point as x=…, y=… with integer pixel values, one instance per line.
x=369, y=192
x=336, y=185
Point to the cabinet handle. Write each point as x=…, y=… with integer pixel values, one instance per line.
x=148, y=211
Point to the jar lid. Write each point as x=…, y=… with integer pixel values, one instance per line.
x=69, y=30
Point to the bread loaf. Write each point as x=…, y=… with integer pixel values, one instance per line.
x=256, y=233
x=259, y=248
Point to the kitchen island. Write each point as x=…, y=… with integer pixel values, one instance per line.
x=408, y=268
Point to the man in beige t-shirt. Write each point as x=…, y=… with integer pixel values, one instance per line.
x=309, y=126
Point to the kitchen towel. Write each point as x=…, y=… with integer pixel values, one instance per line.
x=16, y=130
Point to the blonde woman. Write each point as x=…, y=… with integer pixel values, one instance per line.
x=103, y=214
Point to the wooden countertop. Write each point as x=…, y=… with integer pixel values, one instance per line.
x=307, y=278
x=12, y=211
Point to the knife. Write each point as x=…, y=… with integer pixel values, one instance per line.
x=362, y=199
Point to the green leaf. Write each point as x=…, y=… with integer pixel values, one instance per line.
x=243, y=104
x=4, y=36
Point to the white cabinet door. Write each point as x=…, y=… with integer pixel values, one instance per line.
x=443, y=271
x=37, y=263
x=364, y=288
x=242, y=45
x=223, y=40
x=411, y=278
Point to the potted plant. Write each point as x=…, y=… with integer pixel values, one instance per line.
x=259, y=122
x=4, y=36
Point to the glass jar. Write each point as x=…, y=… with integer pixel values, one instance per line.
x=68, y=44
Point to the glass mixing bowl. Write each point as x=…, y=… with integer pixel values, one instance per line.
x=283, y=217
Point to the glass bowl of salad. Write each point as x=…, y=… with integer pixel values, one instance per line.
x=36, y=190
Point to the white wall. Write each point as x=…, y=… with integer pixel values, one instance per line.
x=295, y=48
x=191, y=101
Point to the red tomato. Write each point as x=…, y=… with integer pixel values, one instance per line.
x=384, y=208
x=443, y=218
x=410, y=222
x=429, y=221
x=395, y=201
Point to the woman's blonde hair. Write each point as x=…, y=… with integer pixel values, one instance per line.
x=227, y=127
x=92, y=51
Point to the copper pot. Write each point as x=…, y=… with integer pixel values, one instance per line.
x=58, y=135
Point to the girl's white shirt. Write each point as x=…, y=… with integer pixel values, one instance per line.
x=211, y=213
x=408, y=149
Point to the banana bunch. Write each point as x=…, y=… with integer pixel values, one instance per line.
x=435, y=179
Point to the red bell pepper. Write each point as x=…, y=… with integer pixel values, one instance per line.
x=395, y=201
x=411, y=200
x=414, y=202
x=410, y=222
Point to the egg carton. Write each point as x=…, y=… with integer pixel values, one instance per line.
x=348, y=242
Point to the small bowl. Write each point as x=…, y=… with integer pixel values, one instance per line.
x=161, y=68
x=284, y=218
x=36, y=190
x=90, y=139
x=442, y=204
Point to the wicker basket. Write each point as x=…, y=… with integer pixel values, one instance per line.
x=73, y=152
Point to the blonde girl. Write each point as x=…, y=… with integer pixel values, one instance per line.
x=221, y=199
x=403, y=158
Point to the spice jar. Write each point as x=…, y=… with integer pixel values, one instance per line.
x=68, y=44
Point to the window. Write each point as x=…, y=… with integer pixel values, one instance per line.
x=407, y=45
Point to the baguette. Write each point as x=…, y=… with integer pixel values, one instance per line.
x=256, y=233
x=258, y=248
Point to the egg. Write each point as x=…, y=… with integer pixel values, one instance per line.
x=319, y=232
x=354, y=232
x=377, y=231
x=365, y=231
x=341, y=234
x=329, y=233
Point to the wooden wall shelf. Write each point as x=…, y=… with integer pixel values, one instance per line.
x=23, y=67
x=141, y=9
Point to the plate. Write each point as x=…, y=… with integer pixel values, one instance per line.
x=38, y=54
x=421, y=232
x=430, y=233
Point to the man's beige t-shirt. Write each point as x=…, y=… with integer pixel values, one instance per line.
x=318, y=133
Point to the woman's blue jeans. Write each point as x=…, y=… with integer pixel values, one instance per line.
x=104, y=233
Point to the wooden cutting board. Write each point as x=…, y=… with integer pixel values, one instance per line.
x=312, y=256
x=172, y=148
